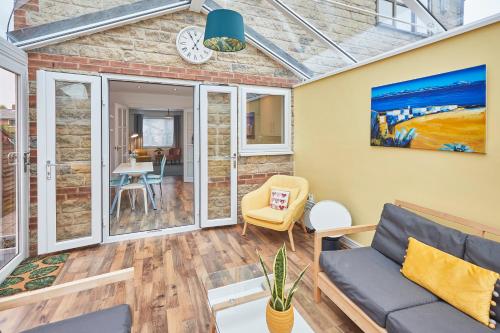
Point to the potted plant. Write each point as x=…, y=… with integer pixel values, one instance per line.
x=133, y=158
x=279, y=311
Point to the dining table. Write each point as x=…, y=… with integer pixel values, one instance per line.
x=138, y=169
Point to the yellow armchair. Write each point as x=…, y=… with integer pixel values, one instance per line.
x=256, y=209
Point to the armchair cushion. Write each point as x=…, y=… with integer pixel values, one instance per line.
x=268, y=214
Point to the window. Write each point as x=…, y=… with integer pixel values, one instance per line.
x=265, y=121
x=406, y=20
x=158, y=132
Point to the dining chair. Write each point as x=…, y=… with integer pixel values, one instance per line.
x=157, y=179
x=132, y=187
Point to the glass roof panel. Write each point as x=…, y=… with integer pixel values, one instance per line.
x=355, y=26
x=288, y=34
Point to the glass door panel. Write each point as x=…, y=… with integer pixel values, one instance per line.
x=14, y=158
x=69, y=164
x=8, y=178
x=218, y=119
x=73, y=159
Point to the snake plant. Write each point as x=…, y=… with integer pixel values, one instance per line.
x=280, y=299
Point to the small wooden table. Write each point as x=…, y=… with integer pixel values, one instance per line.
x=139, y=169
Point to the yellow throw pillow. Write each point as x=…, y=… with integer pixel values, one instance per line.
x=463, y=285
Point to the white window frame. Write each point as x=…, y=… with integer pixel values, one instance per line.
x=284, y=148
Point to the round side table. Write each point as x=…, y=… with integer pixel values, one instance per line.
x=329, y=214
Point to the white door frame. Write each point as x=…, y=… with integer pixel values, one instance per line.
x=186, y=142
x=16, y=61
x=204, y=91
x=46, y=136
x=107, y=238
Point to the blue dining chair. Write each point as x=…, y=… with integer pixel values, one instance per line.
x=155, y=179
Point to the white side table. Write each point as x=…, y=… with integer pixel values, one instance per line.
x=329, y=214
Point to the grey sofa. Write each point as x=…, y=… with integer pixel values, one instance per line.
x=117, y=319
x=370, y=277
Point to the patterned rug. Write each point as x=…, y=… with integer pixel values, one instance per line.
x=33, y=273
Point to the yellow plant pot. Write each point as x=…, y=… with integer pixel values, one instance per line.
x=279, y=321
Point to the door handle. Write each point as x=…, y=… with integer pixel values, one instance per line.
x=48, y=167
x=12, y=158
x=234, y=158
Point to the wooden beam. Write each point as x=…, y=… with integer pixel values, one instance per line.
x=196, y=5
x=63, y=289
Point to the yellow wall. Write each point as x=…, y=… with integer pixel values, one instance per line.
x=332, y=138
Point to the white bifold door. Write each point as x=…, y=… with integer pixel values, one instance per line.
x=14, y=168
x=218, y=136
x=69, y=160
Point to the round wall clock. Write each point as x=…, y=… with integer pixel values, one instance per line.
x=190, y=45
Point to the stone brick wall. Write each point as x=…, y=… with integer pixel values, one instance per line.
x=148, y=49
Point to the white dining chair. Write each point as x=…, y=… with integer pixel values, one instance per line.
x=133, y=187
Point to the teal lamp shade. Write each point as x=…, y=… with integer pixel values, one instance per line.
x=225, y=31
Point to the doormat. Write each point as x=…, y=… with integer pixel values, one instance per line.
x=33, y=273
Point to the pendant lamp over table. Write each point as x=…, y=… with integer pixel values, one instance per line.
x=225, y=31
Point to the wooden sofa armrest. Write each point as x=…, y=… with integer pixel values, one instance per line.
x=345, y=231
x=319, y=235
x=35, y=296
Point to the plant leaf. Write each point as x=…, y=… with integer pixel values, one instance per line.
x=265, y=273
x=294, y=288
x=280, y=274
x=278, y=305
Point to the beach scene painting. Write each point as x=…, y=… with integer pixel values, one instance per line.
x=444, y=112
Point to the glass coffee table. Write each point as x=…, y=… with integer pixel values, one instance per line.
x=237, y=300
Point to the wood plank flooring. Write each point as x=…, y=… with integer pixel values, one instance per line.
x=175, y=210
x=169, y=292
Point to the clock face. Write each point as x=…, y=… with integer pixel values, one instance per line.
x=190, y=45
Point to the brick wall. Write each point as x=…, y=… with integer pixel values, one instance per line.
x=148, y=49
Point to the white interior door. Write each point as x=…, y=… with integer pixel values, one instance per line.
x=121, y=134
x=14, y=171
x=69, y=160
x=218, y=133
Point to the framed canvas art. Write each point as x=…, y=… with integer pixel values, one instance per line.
x=440, y=112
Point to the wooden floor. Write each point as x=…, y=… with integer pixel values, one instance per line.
x=169, y=293
x=175, y=210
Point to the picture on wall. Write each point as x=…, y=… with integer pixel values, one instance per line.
x=440, y=112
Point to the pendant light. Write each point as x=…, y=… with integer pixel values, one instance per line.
x=225, y=31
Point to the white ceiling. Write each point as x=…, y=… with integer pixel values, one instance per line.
x=150, y=88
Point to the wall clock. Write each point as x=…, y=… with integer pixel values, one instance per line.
x=190, y=45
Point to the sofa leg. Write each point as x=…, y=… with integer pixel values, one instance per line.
x=317, y=294
x=290, y=235
x=244, y=229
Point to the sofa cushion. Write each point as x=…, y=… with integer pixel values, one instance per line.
x=373, y=282
x=268, y=214
x=397, y=224
x=485, y=253
x=434, y=317
x=113, y=320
